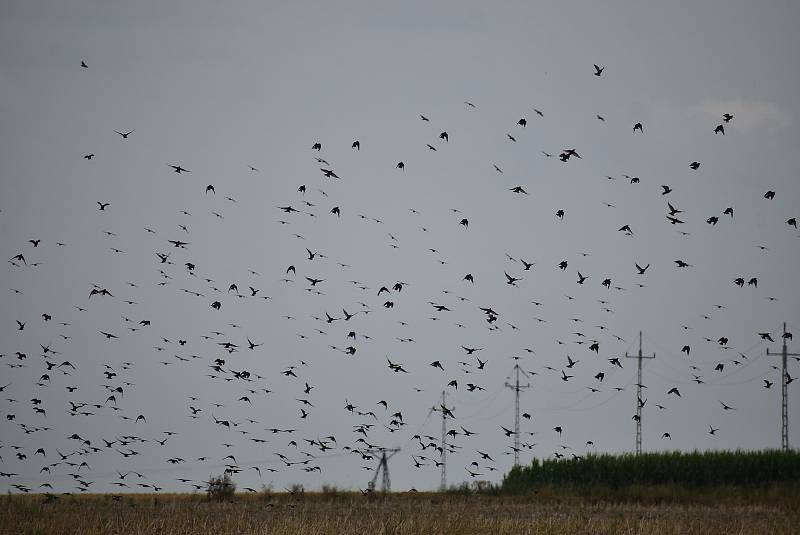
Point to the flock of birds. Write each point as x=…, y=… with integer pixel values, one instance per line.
x=48, y=458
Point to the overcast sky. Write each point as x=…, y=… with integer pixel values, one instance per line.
x=217, y=88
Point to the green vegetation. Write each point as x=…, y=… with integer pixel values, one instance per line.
x=696, y=469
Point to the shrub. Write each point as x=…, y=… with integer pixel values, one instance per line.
x=466, y=488
x=220, y=488
x=462, y=488
x=297, y=491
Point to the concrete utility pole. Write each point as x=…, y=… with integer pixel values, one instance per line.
x=516, y=387
x=784, y=393
x=639, y=402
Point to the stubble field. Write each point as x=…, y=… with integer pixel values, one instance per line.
x=774, y=510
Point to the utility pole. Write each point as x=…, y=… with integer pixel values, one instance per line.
x=784, y=393
x=639, y=402
x=443, y=485
x=516, y=387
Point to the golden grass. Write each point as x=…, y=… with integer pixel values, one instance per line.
x=556, y=512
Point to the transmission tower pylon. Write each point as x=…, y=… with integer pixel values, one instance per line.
x=383, y=468
x=516, y=387
x=639, y=402
x=784, y=391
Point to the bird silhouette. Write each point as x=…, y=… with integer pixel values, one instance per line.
x=201, y=353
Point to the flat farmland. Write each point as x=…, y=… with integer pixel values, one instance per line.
x=664, y=511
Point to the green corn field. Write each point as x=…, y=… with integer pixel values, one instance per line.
x=693, y=469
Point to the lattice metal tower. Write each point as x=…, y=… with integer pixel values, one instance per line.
x=383, y=468
x=516, y=387
x=443, y=484
x=784, y=392
x=639, y=402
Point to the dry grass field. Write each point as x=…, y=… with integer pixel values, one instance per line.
x=660, y=511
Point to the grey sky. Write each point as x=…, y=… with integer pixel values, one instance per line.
x=216, y=88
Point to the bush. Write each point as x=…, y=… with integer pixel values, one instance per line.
x=297, y=491
x=220, y=488
x=462, y=488
x=466, y=488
